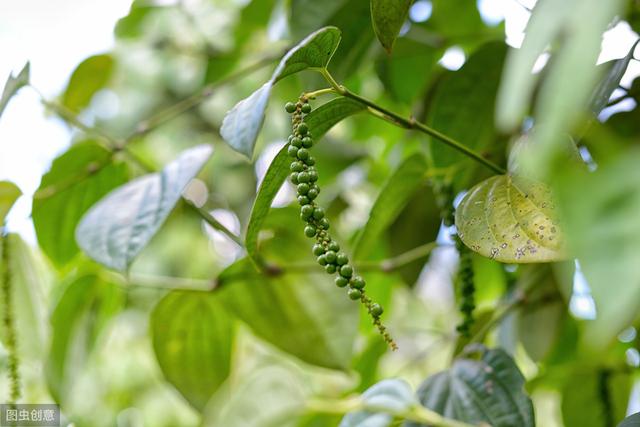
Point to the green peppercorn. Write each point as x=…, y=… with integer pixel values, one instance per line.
x=290, y=107
x=303, y=128
x=307, y=210
x=330, y=256
x=296, y=142
x=307, y=142
x=354, y=294
x=315, y=187
x=306, y=108
x=341, y=258
x=376, y=310
x=303, y=177
x=322, y=260
x=297, y=167
x=313, y=175
x=324, y=223
x=330, y=268
x=302, y=153
x=318, y=249
x=294, y=178
x=334, y=246
x=310, y=231
x=312, y=193
x=318, y=212
x=357, y=282
x=310, y=161
x=303, y=188
x=303, y=200
x=341, y=282
x=292, y=151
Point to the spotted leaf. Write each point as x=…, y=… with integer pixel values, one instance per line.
x=511, y=219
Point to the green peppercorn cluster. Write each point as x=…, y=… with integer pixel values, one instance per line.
x=8, y=321
x=327, y=251
x=466, y=288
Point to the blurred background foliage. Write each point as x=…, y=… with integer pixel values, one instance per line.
x=126, y=351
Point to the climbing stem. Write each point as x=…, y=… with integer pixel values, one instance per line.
x=209, y=219
x=411, y=123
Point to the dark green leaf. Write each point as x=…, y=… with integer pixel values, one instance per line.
x=390, y=396
x=511, y=219
x=406, y=73
x=81, y=314
x=193, y=338
x=243, y=122
x=9, y=193
x=88, y=78
x=489, y=389
x=77, y=179
x=13, y=85
x=387, y=17
x=301, y=314
x=397, y=191
x=463, y=108
x=120, y=225
x=323, y=118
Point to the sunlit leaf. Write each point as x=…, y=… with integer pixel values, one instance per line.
x=77, y=179
x=387, y=17
x=488, y=389
x=120, y=225
x=390, y=396
x=89, y=77
x=400, y=186
x=80, y=315
x=511, y=219
x=13, y=85
x=9, y=193
x=243, y=122
x=193, y=338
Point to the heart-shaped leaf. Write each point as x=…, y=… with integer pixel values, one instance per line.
x=89, y=77
x=243, y=122
x=9, y=193
x=120, y=225
x=511, y=219
x=386, y=397
x=77, y=179
x=320, y=120
x=387, y=17
x=12, y=86
x=489, y=389
x=192, y=338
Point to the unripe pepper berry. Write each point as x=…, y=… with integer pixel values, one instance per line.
x=297, y=167
x=357, y=282
x=334, y=246
x=376, y=310
x=302, y=153
x=306, y=108
x=294, y=178
x=292, y=151
x=303, y=200
x=312, y=193
x=303, y=128
x=310, y=231
x=342, y=258
x=303, y=188
x=307, y=142
x=330, y=256
x=322, y=260
x=303, y=177
x=310, y=161
x=296, y=142
x=307, y=210
x=290, y=107
x=341, y=282
x=318, y=249
x=330, y=268
x=346, y=271
x=354, y=294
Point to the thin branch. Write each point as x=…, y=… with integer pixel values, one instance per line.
x=159, y=282
x=214, y=222
x=411, y=123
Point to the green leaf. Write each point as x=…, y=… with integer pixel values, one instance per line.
x=387, y=17
x=320, y=120
x=9, y=193
x=463, y=108
x=243, y=122
x=390, y=396
x=611, y=80
x=574, y=28
x=582, y=393
x=488, y=389
x=81, y=314
x=600, y=211
x=511, y=219
x=192, y=339
x=31, y=280
x=132, y=25
x=13, y=85
x=406, y=73
x=323, y=118
x=631, y=421
x=270, y=396
x=395, y=194
x=120, y=225
x=77, y=179
x=301, y=314
x=88, y=78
